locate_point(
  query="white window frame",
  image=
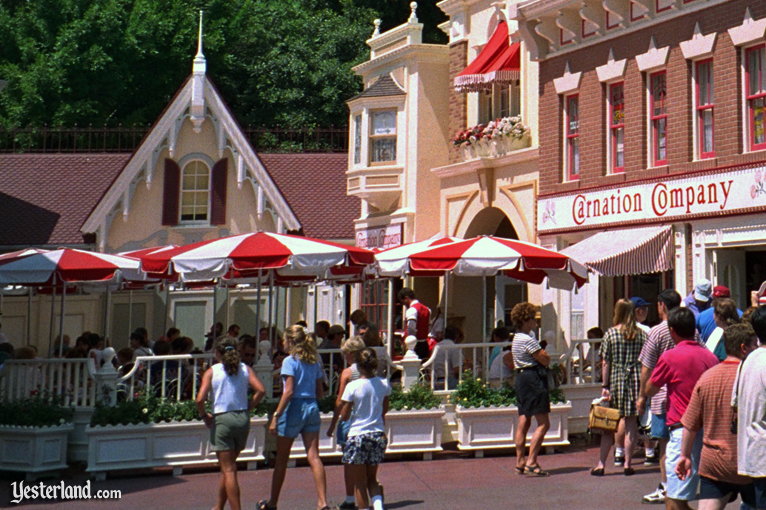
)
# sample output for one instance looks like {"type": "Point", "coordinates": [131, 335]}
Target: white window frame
{"type": "Point", "coordinates": [608, 125]}
{"type": "Point", "coordinates": [184, 164]}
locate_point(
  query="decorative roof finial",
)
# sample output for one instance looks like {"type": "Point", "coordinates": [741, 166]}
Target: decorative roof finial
{"type": "Point", "coordinates": [377, 23]}
{"type": "Point", "coordinates": [199, 39]}
{"type": "Point", "coordinates": [413, 15]}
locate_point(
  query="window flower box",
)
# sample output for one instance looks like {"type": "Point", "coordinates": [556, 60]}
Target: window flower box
{"type": "Point", "coordinates": [494, 139]}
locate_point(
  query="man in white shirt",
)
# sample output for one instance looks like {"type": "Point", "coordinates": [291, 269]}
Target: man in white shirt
{"type": "Point", "coordinates": [749, 395]}
{"type": "Point", "coordinates": [445, 360]}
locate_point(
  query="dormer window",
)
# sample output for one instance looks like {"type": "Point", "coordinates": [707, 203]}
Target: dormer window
{"type": "Point", "coordinates": [383, 137]}
{"type": "Point", "coordinates": [195, 192]}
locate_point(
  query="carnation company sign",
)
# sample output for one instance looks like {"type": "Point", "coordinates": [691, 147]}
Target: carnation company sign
{"type": "Point", "coordinates": [380, 237]}
{"type": "Point", "coordinates": [720, 193]}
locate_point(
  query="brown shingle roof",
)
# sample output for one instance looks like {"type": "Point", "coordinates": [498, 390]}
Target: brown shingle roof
{"type": "Point", "coordinates": [315, 187]}
{"type": "Point", "coordinates": [384, 86]}
{"type": "Point", "coordinates": [45, 198]}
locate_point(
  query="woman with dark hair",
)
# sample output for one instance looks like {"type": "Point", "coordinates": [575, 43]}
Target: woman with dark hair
{"type": "Point", "coordinates": [530, 361]}
{"type": "Point", "coordinates": [365, 403]}
{"type": "Point", "coordinates": [620, 373]}
{"type": "Point", "coordinates": [724, 314]}
{"type": "Point", "coordinates": [229, 423]}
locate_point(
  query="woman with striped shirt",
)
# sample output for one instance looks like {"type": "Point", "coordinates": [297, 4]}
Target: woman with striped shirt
{"type": "Point", "coordinates": [530, 361]}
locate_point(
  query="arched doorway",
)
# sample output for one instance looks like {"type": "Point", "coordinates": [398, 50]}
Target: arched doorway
{"type": "Point", "coordinates": [466, 301]}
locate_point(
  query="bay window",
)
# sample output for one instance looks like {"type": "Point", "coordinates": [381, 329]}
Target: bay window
{"type": "Point", "coordinates": [382, 137]}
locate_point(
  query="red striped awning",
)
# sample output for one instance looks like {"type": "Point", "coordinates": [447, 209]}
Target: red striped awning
{"type": "Point", "coordinates": [626, 252]}
{"type": "Point", "coordinates": [498, 62]}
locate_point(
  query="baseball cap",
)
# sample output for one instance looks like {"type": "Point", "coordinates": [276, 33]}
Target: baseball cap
{"type": "Point", "coordinates": [702, 290]}
{"type": "Point", "coordinates": [639, 302]}
{"type": "Point", "coordinates": [721, 291]}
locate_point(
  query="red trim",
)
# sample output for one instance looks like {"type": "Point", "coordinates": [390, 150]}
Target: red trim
{"type": "Point", "coordinates": [609, 24]}
{"type": "Point", "coordinates": [634, 17]}
{"type": "Point", "coordinates": [584, 33]}
{"type": "Point", "coordinates": [751, 98]}
{"type": "Point", "coordinates": [704, 105]}
{"type": "Point", "coordinates": [657, 6]}
{"type": "Point", "coordinates": [572, 130]}
{"type": "Point", "coordinates": [659, 120]}
{"type": "Point", "coordinates": [561, 38]}
{"type": "Point", "coordinates": [616, 125]}
{"type": "Point", "coordinates": [218, 192]}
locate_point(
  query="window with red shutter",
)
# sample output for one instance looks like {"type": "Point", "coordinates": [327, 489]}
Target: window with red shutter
{"type": "Point", "coordinates": [170, 193]}
{"type": "Point", "coordinates": [218, 195]}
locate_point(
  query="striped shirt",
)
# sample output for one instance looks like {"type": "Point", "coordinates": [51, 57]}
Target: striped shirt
{"type": "Point", "coordinates": [522, 347]}
{"type": "Point", "coordinates": [658, 342]}
{"type": "Point", "coordinates": [710, 411]}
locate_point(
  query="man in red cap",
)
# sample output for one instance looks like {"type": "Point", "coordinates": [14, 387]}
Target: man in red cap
{"type": "Point", "coordinates": [705, 320]}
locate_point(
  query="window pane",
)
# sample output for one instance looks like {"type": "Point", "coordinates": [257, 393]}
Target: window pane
{"type": "Point", "coordinates": [504, 101]}
{"type": "Point", "coordinates": [619, 148]}
{"type": "Point", "coordinates": [515, 99]}
{"type": "Point", "coordinates": [384, 149]}
{"type": "Point", "coordinates": [202, 182]}
{"type": "Point", "coordinates": [706, 122]}
{"type": "Point", "coordinates": [485, 106]}
{"type": "Point", "coordinates": [574, 144]}
{"type": "Point", "coordinates": [357, 139]}
{"type": "Point", "coordinates": [384, 123]}
{"type": "Point", "coordinates": [572, 116]}
{"type": "Point", "coordinates": [617, 99]}
{"type": "Point", "coordinates": [661, 142]}
{"type": "Point", "coordinates": [189, 181]}
{"type": "Point", "coordinates": [759, 120]}
{"type": "Point", "coordinates": [658, 94]}
{"type": "Point", "coordinates": [755, 66]}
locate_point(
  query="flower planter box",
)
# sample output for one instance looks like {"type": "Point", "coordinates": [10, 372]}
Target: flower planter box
{"type": "Point", "coordinates": [418, 431]}
{"type": "Point", "coordinates": [162, 444]}
{"type": "Point", "coordinates": [33, 450]}
{"type": "Point", "coordinates": [494, 427]}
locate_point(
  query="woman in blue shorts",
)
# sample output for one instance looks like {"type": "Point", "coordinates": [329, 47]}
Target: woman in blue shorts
{"type": "Point", "coordinates": [298, 413]}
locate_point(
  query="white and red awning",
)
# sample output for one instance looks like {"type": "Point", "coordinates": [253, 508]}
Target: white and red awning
{"type": "Point", "coordinates": [627, 252]}
{"type": "Point", "coordinates": [487, 256]}
{"type": "Point", "coordinates": [498, 62]}
{"type": "Point", "coordinates": [247, 254]}
{"type": "Point", "coordinates": [41, 267]}
{"type": "Point", "coordinates": [396, 261]}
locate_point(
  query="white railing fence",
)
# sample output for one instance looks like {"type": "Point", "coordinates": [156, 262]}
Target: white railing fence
{"type": "Point", "coordinates": [71, 380]}
{"type": "Point", "coordinates": [582, 362]}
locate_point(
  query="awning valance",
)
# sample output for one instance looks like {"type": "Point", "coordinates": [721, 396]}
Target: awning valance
{"type": "Point", "coordinates": [626, 252]}
{"type": "Point", "coordinates": [498, 62]}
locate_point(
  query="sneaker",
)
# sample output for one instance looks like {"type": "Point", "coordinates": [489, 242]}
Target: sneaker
{"type": "Point", "coordinates": [652, 460]}
{"type": "Point", "coordinates": [347, 506]}
{"type": "Point", "coordinates": [619, 461]}
{"type": "Point", "coordinates": [655, 498]}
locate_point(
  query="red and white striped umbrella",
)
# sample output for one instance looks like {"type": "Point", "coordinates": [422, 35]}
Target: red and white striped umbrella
{"type": "Point", "coordinates": [137, 254]}
{"type": "Point", "coordinates": [396, 261]}
{"type": "Point", "coordinates": [248, 254]}
{"type": "Point", "coordinates": [40, 267]}
{"type": "Point", "coordinates": [487, 255]}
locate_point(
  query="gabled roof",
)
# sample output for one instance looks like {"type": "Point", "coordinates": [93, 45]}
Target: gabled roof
{"type": "Point", "coordinates": [315, 187]}
{"type": "Point", "coordinates": [164, 135]}
{"type": "Point", "coordinates": [383, 86]}
{"type": "Point", "coordinates": [45, 198]}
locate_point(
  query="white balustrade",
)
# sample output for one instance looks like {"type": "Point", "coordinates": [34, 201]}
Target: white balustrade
{"type": "Point", "coordinates": [68, 379]}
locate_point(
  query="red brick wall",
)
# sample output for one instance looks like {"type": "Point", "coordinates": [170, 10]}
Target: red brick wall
{"type": "Point", "coordinates": [458, 114]}
{"type": "Point", "coordinates": [592, 99]}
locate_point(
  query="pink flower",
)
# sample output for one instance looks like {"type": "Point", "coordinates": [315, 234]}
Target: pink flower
{"type": "Point", "coordinates": [758, 176]}
{"type": "Point", "coordinates": [753, 191]}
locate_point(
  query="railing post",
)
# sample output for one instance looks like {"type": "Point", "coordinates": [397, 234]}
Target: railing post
{"type": "Point", "coordinates": [264, 368]}
{"type": "Point", "coordinates": [106, 379]}
{"type": "Point", "coordinates": [410, 364]}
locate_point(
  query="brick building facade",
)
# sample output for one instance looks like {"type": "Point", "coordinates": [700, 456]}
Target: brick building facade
{"type": "Point", "coordinates": [657, 105]}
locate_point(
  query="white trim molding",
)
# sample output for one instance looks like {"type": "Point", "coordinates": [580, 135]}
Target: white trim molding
{"type": "Point", "coordinates": [613, 70]}
{"type": "Point", "coordinates": [654, 59]}
{"type": "Point", "coordinates": [567, 83]}
{"type": "Point", "coordinates": [750, 31]}
{"type": "Point", "coordinates": [700, 46]}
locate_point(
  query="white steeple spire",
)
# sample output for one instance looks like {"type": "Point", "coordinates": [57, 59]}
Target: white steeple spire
{"type": "Point", "coordinates": [197, 109]}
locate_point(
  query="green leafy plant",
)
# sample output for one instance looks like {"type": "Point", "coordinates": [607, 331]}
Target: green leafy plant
{"type": "Point", "coordinates": [473, 392]}
{"type": "Point", "coordinates": [39, 410]}
{"type": "Point", "coordinates": [152, 409]}
{"type": "Point", "coordinates": [420, 396]}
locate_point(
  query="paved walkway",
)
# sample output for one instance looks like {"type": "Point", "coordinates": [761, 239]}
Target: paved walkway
{"type": "Point", "coordinates": [453, 481]}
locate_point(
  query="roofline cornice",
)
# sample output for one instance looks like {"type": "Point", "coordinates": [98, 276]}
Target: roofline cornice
{"type": "Point", "coordinates": [410, 51]}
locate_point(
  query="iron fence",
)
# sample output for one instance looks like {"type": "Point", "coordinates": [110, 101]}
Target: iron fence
{"type": "Point", "coordinates": [47, 139]}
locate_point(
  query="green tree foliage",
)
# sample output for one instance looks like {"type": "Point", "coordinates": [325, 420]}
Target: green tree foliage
{"type": "Point", "coordinates": [277, 62]}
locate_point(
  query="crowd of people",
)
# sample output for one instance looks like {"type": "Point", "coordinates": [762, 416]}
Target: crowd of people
{"type": "Point", "coordinates": [696, 383]}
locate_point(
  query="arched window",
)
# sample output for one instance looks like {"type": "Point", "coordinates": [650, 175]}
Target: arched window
{"type": "Point", "coordinates": [195, 192]}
